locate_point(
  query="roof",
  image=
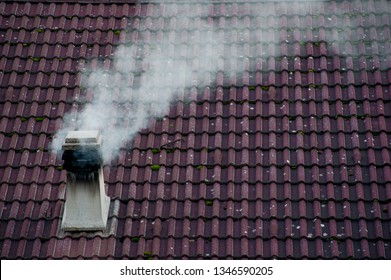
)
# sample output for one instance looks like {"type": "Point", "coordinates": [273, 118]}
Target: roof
{"type": "Point", "coordinates": [284, 151]}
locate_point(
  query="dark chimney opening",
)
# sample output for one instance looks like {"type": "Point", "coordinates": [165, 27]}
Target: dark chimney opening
{"type": "Point", "coordinates": [82, 160]}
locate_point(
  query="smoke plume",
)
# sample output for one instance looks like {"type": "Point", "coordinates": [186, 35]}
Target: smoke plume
{"type": "Point", "coordinates": [192, 45]}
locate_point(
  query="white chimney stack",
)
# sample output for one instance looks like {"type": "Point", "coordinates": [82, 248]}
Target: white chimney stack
{"type": "Point", "coordinates": [86, 204]}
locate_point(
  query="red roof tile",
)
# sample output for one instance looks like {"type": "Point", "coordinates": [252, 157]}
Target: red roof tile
{"type": "Point", "coordinates": [289, 158]}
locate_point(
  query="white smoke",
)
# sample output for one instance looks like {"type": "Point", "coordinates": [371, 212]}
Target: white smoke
{"type": "Point", "coordinates": [146, 75]}
{"type": "Point", "coordinates": [193, 45]}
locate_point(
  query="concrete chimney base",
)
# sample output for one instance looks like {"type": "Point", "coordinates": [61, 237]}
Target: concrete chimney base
{"type": "Point", "coordinates": [86, 205]}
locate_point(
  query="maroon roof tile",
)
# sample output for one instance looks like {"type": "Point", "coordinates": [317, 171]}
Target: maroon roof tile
{"type": "Point", "coordinates": [287, 158]}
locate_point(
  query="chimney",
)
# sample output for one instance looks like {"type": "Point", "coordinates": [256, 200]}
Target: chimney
{"type": "Point", "coordinates": [86, 204]}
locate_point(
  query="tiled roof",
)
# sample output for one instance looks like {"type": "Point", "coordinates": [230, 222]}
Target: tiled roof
{"type": "Point", "coordinates": [290, 159]}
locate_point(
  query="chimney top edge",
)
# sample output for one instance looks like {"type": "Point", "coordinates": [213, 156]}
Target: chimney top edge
{"type": "Point", "coordinates": [82, 139]}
